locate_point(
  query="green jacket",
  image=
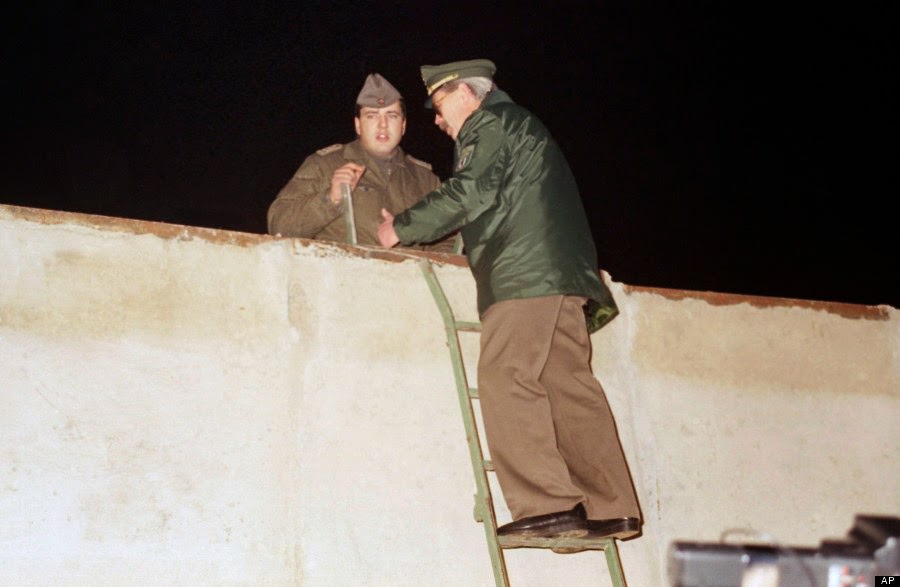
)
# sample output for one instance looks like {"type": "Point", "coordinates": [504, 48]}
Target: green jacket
{"type": "Point", "coordinates": [515, 200]}
{"type": "Point", "coordinates": [303, 207]}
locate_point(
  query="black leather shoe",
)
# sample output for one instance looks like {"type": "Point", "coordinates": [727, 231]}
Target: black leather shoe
{"type": "Point", "coordinates": [616, 528]}
{"type": "Point", "coordinates": [556, 525]}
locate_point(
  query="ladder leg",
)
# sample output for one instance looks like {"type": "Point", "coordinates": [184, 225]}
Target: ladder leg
{"type": "Point", "coordinates": [498, 562]}
{"type": "Point", "coordinates": [614, 565]}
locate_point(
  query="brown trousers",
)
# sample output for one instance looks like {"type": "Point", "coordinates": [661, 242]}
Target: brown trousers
{"type": "Point", "coordinates": [549, 429]}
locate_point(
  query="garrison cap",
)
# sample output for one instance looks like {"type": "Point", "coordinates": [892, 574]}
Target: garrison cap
{"type": "Point", "coordinates": [377, 92]}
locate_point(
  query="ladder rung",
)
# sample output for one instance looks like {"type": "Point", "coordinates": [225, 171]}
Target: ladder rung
{"type": "Point", "coordinates": [488, 465]}
{"type": "Point", "coordinates": [467, 326]}
{"type": "Point", "coordinates": [535, 542]}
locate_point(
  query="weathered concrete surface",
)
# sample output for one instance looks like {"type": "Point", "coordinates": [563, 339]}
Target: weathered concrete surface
{"type": "Point", "coordinates": [191, 406]}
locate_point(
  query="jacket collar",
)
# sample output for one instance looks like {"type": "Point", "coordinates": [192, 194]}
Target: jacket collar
{"type": "Point", "coordinates": [496, 97]}
{"type": "Point", "coordinates": [355, 152]}
{"type": "Point", "coordinates": [492, 99]}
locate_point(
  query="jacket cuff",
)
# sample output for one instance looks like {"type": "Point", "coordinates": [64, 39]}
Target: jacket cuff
{"type": "Point", "coordinates": [326, 200]}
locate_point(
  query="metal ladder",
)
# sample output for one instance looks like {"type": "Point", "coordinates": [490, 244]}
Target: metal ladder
{"type": "Point", "coordinates": [484, 505]}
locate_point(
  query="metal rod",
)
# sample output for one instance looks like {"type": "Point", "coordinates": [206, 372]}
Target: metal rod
{"type": "Point", "coordinates": [349, 218]}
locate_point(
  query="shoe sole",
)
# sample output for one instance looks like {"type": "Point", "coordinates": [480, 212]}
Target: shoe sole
{"type": "Point", "coordinates": [621, 535]}
{"type": "Point", "coordinates": [572, 532]}
{"type": "Point", "coordinates": [576, 533]}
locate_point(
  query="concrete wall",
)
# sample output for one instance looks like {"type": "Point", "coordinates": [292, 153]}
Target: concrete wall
{"type": "Point", "coordinates": [186, 406]}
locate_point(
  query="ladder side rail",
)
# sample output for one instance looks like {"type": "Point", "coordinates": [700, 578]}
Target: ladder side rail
{"type": "Point", "coordinates": [484, 506]}
{"type": "Point", "coordinates": [613, 564]}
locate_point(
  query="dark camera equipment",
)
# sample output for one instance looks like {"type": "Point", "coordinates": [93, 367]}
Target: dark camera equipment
{"type": "Point", "coordinates": [870, 551]}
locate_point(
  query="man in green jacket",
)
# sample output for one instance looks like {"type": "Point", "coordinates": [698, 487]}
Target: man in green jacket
{"type": "Point", "coordinates": [550, 431]}
{"type": "Point", "coordinates": [379, 173]}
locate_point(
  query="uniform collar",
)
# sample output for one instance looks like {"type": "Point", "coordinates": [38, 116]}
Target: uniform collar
{"type": "Point", "coordinates": [355, 152]}
{"type": "Point", "coordinates": [496, 97]}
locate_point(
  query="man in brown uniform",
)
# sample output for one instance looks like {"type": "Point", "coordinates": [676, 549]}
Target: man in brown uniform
{"type": "Point", "coordinates": [380, 174]}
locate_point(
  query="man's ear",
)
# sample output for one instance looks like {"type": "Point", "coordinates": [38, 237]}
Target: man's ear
{"type": "Point", "coordinates": [356, 124]}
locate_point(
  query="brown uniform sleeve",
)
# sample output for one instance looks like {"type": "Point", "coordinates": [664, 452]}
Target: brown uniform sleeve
{"type": "Point", "coordinates": [303, 207]}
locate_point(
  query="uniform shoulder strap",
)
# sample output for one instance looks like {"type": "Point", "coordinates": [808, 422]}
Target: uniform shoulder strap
{"type": "Point", "coordinates": [419, 162]}
{"type": "Point", "coordinates": [328, 150]}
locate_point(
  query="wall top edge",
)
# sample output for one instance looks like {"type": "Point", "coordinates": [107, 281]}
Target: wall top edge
{"type": "Point", "coordinates": [244, 239]}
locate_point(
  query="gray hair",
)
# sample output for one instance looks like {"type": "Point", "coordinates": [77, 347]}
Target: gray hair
{"type": "Point", "coordinates": [480, 86]}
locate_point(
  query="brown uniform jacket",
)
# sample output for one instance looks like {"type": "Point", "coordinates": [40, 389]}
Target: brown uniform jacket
{"type": "Point", "coordinates": [304, 209]}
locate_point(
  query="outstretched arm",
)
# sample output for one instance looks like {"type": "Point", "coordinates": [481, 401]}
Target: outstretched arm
{"type": "Point", "coordinates": [387, 236]}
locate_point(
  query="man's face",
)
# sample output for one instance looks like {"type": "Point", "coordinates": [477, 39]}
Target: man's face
{"type": "Point", "coordinates": [452, 108]}
{"type": "Point", "coordinates": [380, 129]}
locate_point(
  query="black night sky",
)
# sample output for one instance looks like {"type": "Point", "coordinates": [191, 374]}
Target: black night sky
{"type": "Point", "coordinates": [718, 146]}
